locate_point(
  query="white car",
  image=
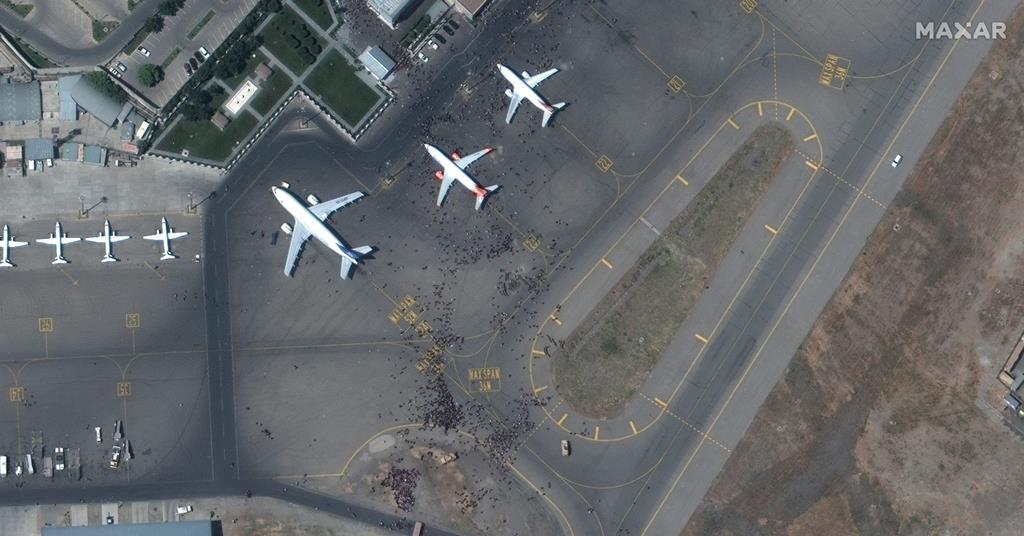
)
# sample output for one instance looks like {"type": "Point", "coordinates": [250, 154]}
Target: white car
{"type": "Point", "coordinates": [205, 53]}
{"type": "Point", "coordinates": [58, 454]}
{"type": "Point", "coordinates": [144, 51]}
{"type": "Point", "coordinates": [566, 450]}
{"type": "Point", "coordinates": [432, 44]}
{"type": "Point", "coordinates": [896, 160]}
{"type": "Point", "coordinates": [121, 67]}
{"type": "Point", "coordinates": [423, 57]}
{"type": "Point", "coordinates": [184, 509]}
{"type": "Point", "coordinates": [99, 434]}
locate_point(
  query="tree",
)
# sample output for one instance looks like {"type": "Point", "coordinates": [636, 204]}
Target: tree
{"type": "Point", "coordinates": [273, 6]}
{"type": "Point", "coordinates": [150, 75]}
{"type": "Point", "coordinates": [153, 24]}
{"type": "Point", "coordinates": [200, 106]}
{"type": "Point", "coordinates": [100, 81]}
{"type": "Point", "coordinates": [170, 7]}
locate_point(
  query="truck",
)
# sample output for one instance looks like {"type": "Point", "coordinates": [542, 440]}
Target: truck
{"type": "Point", "coordinates": [117, 432]}
{"type": "Point", "coordinates": [58, 455]}
{"type": "Point", "coordinates": [417, 529]}
{"type": "Point", "coordinates": [115, 457]}
{"type": "Point", "coordinates": [3, 465]}
{"type": "Point", "coordinates": [29, 467]}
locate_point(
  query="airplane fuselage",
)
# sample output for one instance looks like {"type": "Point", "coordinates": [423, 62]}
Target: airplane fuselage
{"type": "Point", "coordinates": [317, 228]}
{"type": "Point", "coordinates": [451, 169]}
{"type": "Point", "coordinates": [521, 87]}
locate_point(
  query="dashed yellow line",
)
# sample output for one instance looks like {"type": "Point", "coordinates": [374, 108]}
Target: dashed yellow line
{"type": "Point", "coordinates": [560, 421]}
{"type": "Point", "coordinates": [701, 338]}
{"type": "Point", "coordinates": [682, 180]}
{"type": "Point", "coordinates": [851, 185]}
{"type": "Point", "coordinates": [606, 263]}
{"type": "Point", "coordinates": [811, 165]}
{"type": "Point", "coordinates": [660, 402]}
{"type": "Point", "coordinates": [633, 427]}
{"type": "Point", "coordinates": [556, 320]}
{"type": "Point", "coordinates": [790, 114]}
{"type": "Point", "coordinates": [760, 111]}
{"type": "Point", "coordinates": [811, 137]}
{"type": "Point", "coordinates": [597, 433]}
{"type": "Point", "coordinates": [700, 432]}
{"type": "Point", "coordinates": [771, 229]}
{"type": "Point", "coordinates": [733, 124]}
{"type": "Point", "coordinates": [539, 352]}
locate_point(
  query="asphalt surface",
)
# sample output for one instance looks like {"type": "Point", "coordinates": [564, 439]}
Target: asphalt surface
{"type": "Point", "coordinates": [74, 56]}
{"type": "Point", "coordinates": [757, 310]}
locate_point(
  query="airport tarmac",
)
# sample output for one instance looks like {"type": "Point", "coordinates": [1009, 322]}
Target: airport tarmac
{"type": "Point", "coordinates": [471, 293]}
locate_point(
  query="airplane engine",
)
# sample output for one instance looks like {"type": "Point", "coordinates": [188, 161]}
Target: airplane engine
{"type": "Point", "coordinates": [287, 228]}
{"type": "Point", "coordinates": [285, 185]}
{"type": "Point", "coordinates": [456, 156]}
{"type": "Point", "coordinates": [439, 175]}
{"type": "Point", "coordinates": [313, 200]}
{"type": "Point", "coordinates": [508, 93]}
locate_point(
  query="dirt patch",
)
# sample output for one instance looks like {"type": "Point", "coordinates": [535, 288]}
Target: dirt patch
{"type": "Point", "coordinates": [606, 359]}
{"type": "Point", "coordinates": [885, 421]}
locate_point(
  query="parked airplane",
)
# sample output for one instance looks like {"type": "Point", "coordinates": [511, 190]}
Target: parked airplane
{"type": "Point", "coordinates": [107, 238]}
{"type": "Point", "coordinates": [57, 239]}
{"type": "Point", "coordinates": [9, 243]}
{"type": "Point", "coordinates": [454, 169]}
{"type": "Point", "coordinates": [523, 88]}
{"type": "Point", "coordinates": [166, 234]}
{"type": "Point", "coordinates": [309, 221]}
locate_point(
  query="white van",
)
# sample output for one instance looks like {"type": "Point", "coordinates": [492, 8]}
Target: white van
{"type": "Point", "coordinates": [31, 165]}
{"type": "Point", "coordinates": [3, 465]}
{"type": "Point", "coordinates": [99, 434]}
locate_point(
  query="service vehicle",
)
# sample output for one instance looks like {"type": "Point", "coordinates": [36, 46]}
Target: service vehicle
{"type": "Point", "coordinates": [145, 52]}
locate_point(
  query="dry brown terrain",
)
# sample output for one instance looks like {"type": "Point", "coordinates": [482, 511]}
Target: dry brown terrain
{"type": "Point", "coordinates": [888, 419]}
{"type": "Point", "coordinates": [605, 360]}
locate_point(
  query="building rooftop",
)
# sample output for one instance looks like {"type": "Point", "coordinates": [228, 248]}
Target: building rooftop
{"type": "Point", "coordinates": [94, 102]}
{"type": "Point", "coordinates": [71, 151]}
{"type": "Point", "coordinates": [68, 108]}
{"type": "Point", "coordinates": [390, 11]}
{"type": "Point", "coordinates": [21, 101]}
{"type": "Point", "coordinates": [39, 148]}
{"type": "Point", "coordinates": [377, 62]}
{"type": "Point", "coordinates": [471, 7]}
{"type": "Point", "coordinates": [94, 154]}
{"type": "Point", "coordinates": [263, 71]}
{"type": "Point", "coordinates": [183, 528]}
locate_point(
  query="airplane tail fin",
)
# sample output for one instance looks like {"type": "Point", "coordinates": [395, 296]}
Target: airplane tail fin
{"type": "Point", "coordinates": [481, 197]}
{"type": "Point", "coordinates": [346, 267]}
{"type": "Point", "coordinates": [59, 260]}
{"type": "Point", "coordinates": [347, 263]}
{"type": "Point", "coordinates": [6, 264]}
{"type": "Point", "coordinates": [363, 250]}
{"type": "Point", "coordinates": [168, 256]}
{"type": "Point", "coordinates": [548, 115]}
{"type": "Point", "coordinates": [109, 258]}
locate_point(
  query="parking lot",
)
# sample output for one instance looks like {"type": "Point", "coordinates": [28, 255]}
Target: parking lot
{"type": "Point", "coordinates": [173, 47]}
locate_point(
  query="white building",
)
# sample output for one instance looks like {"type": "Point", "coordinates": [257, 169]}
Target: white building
{"type": "Point", "coordinates": [392, 11]}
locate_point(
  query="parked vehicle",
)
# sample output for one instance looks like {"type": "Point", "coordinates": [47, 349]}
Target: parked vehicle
{"type": "Point", "coordinates": [99, 434]}
{"type": "Point", "coordinates": [115, 457]}
{"type": "Point", "coordinates": [453, 24]}
{"type": "Point", "coordinates": [184, 509]}
{"type": "Point", "coordinates": [204, 52]}
{"type": "Point", "coordinates": [448, 30]}
{"type": "Point", "coordinates": [121, 67]}
{"type": "Point", "coordinates": [199, 57]}
{"type": "Point", "coordinates": [188, 69]}
{"type": "Point", "coordinates": [432, 44]}
{"type": "Point", "coordinates": [58, 455]}
{"type": "Point", "coordinates": [423, 57]}
{"type": "Point", "coordinates": [144, 51]}
{"type": "Point", "coordinates": [440, 38]}
{"type": "Point", "coordinates": [566, 449]}
{"type": "Point", "coordinates": [3, 465]}
{"type": "Point", "coordinates": [194, 64]}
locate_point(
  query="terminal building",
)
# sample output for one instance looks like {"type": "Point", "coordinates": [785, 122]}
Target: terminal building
{"type": "Point", "coordinates": [377, 62]}
{"type": "Point", "coordinates": [182, 528]}
{"type": "Point", "coordinates": [392, 11]}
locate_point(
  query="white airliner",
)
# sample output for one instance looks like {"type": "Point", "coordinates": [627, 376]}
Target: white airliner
{"type": "Point", "coordinates": [309, 221]}
{"type": "Point", "coordinates": [57, 239]}
{"type": "Point", "coordinates": [523, 88]}
{"type": "Point", "coordinates": [107, 238]}
{"type": "Point", "coordinates": [454, 169]}
{"type": "Point", "coordinates": [9, 243]}
{"type": "Point", "coordinates": [166, 233]}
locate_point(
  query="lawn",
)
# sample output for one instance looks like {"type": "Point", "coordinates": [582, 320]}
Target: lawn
{"type": "Point", "coordinates": [250, 67]}
{"type": "Point", "coordinates": [101, 29]}
{"type": "Point", "coordinates": [292, 41]}
{"type": "Point", "coordinates": [133, 45]}
{"type": "Point", "coordinates": [170, 57]}
{"type": "Point", "coordinates": [606, 360]}
{"type": "Point", "coordinates": [34, 57]}
{"type": "Point", "coordinates": [204, 140]}
{"type": "Point", "coordinates": [335, 82]}
{"type": "Point", "coordinates": [271, 91]}
{"type": "Point", "coordinates": [318, 10]}
{"type": "Point", "coordinates": [21, 9]}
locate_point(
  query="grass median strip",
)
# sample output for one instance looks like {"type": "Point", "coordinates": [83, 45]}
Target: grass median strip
{"type": "Point", "coordinates": [199, 27]}
{"type": "Point", "coordinates": [608, 357]}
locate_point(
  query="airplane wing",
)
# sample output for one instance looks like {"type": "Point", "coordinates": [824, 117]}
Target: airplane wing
{"type": "Point", "coordinates": [535, 80]}
{"type": "Point", "coordinates": [465, 161]}
{"type": "Point", "coordinates": [446, 184]}
{"type": "Point", "coordinates": [63, 240]}
{"type": "Point", "coordinates": [299, 236]}
{"type": "Point", "coordinates": [514, 105]}
{"type": "Point", "coordinates": [118, 238]}
{"type": "Point", "coordinates": [324, 210]}
{"type": "Point", "coordinates": [160, 235]}
{"type": "Point", "coordinates": [15, 244]}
